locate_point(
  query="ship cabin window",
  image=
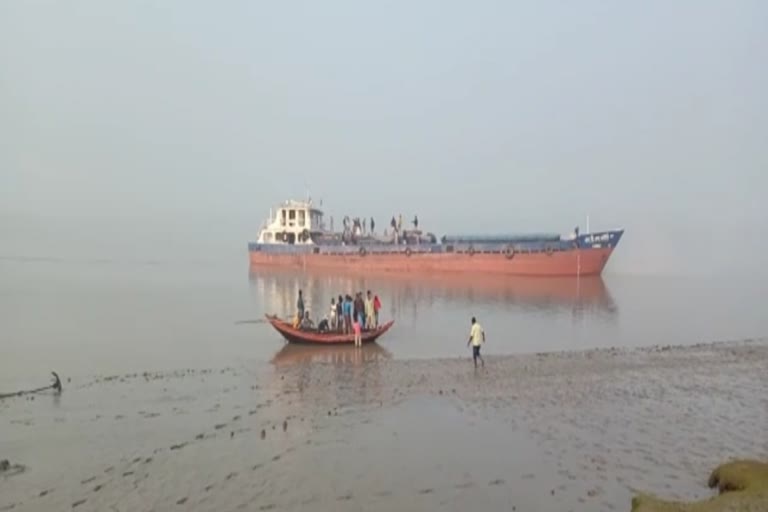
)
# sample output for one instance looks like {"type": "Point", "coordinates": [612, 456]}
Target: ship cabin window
{"type": "Point", "coordinates": [268, 237]}
{"type": "Point", "coordinates": [302, 218]}
{"type": "Point", "coordinates": [282, 217]}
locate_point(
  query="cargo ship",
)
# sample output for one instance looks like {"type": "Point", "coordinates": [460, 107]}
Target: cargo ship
{"type": "Point", "coordinates": [295, 235]}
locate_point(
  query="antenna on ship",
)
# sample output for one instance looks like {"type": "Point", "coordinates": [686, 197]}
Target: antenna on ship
{"type": "Point", "coordinates": [588, 224]}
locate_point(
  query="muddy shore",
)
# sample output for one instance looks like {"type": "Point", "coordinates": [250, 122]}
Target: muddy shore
{"type": "Point", "coordinates": [347, 429]}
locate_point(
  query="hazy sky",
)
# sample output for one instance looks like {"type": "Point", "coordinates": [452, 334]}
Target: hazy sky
{"type": "Point", "coordinates": [170, 127]}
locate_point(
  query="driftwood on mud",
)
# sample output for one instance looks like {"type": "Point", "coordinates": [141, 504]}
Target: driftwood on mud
{"type": "Point", "coordinates": [55, 385]}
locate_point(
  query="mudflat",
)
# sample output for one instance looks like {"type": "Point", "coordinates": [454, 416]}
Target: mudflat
{"type": "Point", "coordinates": [352, 429]}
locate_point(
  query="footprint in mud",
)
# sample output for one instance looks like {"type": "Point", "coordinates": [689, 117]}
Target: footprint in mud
{"type": "Point", "coordinates": [78, 503]}
{"type": "Point", "coordinates": [384, 494]}
{"type": "Point", "coordinates": [178, 446]}
{"type": "Point", "coordinates": [88, 480]}
{"type": "Point", "coordinates": [128, 473]}
{"type": "Point", "coordinates": [426, 491]}
{"type": "Point", "coordinates": [267, 507]}
{"type": "Point", "coordinates": [137, 459]}
{"type": "Point", "coordinates": [498, 481]}
{"type": "Point", "coordinates": [231, 476]}
{"type": "Point", "coordinates": [147, 460]}
{"type": "Point", "coordinates": [98, 488]}
{"type": "Point", "coordinates": [257, 466]}
{"type": "Point", "coordinates": [528, 476]}
{"type": "Point", "coordinates": [208, 487]}
{"type": "Point", "coordinates": [263, 433]}
{"type": "Point", "coordinates": [182, 501]}
{"type": "Point", "coordinates": [276, 458]}
{"type": "Point", "coordinates": [220, 426]}
{"type": "Point", "coordinates": [7, 507]}
{"type": "Point", "coordinates": [151, 415]}
{"type": "Point", "coordinates": [344, 497]}
{"type": "Point", "coordinates": [465, 485]}
{"type": "Point", "coordinates": [109, 469]}
{"type": "Point", "coordinates": [45, 492]}
{"type": "Point", "coordinates": [235, 418]}
{"type": "Point", "coordinates": [252, 412]}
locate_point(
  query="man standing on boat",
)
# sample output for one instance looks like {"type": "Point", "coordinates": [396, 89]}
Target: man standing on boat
{"type": "Point", "coordinates": [476, 338]}
{"type": "Point", "coordinates": [358, 309]}
{"type": "Point", "coordinates": [300, 306]}
{"type": "Point", "coordinates": [376, 308]}
{"type": "Point", "coordinates": [369, 324]}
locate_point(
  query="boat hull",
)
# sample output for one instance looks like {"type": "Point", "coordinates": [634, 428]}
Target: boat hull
{"type": "Point", "coordinates": [561, 263]}
{"type": "Point", "coordinates": [586, 255]}
{"type": "Point", "coordinates": [314, 338]}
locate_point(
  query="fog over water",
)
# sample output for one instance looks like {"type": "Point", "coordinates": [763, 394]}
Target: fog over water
{"type": "Point", "coordinates": [165, 132]}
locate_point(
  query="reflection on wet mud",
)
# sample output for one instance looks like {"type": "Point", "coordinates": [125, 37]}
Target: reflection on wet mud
{"type": "Point", "coordinates": [352, 372]}
{"type": "Point", "coordinates": [295, 354]}
{"type": "Point", "coordinates": [277, 290]}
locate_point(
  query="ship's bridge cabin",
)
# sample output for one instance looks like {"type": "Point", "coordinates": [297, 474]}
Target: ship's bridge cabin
{"type": "Point", "coordinates": [293, 222]}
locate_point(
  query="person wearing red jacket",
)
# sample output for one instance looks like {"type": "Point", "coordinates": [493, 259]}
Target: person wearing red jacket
{"type": "Point", "coordinates": [376, 308]}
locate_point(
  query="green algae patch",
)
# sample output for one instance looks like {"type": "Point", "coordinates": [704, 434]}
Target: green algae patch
{"type": "Point", "coordinates": [743, 487]}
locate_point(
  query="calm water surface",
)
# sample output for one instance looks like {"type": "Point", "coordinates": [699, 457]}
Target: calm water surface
{"type": "Point", "coordinates": [104, 317]}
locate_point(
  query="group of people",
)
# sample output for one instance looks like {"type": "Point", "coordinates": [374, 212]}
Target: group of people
{"type": "Point", "coordinates": [346, 315]}
{"type": "Point", "coordinates": [357, 227]}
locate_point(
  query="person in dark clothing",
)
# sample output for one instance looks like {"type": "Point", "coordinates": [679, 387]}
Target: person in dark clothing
{"type": "Point", "coordinates": [415, 222]}
{"type": "Point", "coordinates": [373, 225]}
{"type": "Point", "coordinates": [300, 306]}
{"type": "Point", "coordinates": [359, 308]}
{"type": "Point", "coordinates": [340, 313]}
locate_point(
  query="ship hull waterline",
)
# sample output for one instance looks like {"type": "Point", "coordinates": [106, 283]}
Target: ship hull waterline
{"type": "Point", "coordinates": [576, 262]}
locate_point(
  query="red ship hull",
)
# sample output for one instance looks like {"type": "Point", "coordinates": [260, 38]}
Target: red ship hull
{"type": "Point", "coordinates": [576, 262]}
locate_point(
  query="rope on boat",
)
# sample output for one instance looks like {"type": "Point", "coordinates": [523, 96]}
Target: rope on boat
{"type": "Point", "coordinates": [55, 385]}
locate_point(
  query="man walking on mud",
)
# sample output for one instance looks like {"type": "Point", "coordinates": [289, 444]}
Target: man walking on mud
{"type": "Point", "coordinates": [476, 338]}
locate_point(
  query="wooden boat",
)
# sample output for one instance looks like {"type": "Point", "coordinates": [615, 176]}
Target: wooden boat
{"type": "Point", "coordinates": [329, 338]}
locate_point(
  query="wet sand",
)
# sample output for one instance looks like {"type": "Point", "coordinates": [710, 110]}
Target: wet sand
{"type": "Point", "coordinates": [340, 429]}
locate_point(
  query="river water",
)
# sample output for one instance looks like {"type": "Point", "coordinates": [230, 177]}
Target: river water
{"type": "Point", "coordinates": [84, 318]}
